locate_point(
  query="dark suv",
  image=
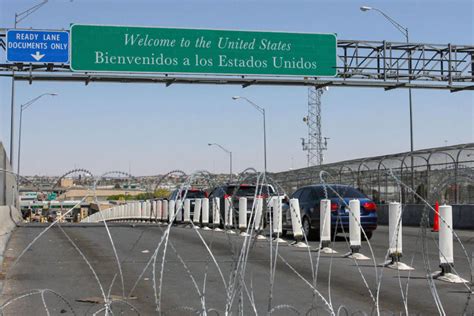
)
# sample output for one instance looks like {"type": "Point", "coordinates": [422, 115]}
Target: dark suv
{"type": "Point", "coordinates": [236, 192]}
{"type": "Point", "coordinates": [192, 194]}
{"type": "Point", "coordinates": [309, 199]}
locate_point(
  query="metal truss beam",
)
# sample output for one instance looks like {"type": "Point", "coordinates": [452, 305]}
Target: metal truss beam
{"type": "Point", "coordinates": [379, 64]}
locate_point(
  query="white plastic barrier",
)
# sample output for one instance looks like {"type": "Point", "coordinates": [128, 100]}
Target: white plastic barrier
{"type": "Point", "coordinates": [258, 213]}
{"type": "Point", "coordinates": [446, 235]}
{"type": "Point", "coordinates": [165, 211]}
{"type": "Point", "coordinates": [171, 209]}
{"type": "Point", "coordinates": [277, 209]}
{"type": "Point", "coordinates": [179, 211]}
{"type": "Point", "coordinates": [243, 215]}
{"type": "Point", "coordinates": [197, 211]}
{"type": "Point", "coordinates": [141, 210]}
{"type": "Point", "coordinates": [205, 213]}
{"type": "Point", "coordinates": [354, 225]}
{"type": "Point", "coordinates": [325, 223]}
{"type": "Point", "coordinates": [296, 219]}
{"type": "Point", "coordinates": [228, 212]}
{"type": "Point", "coordinates": [395, 229]}
{"type": "Point", "coordinates": [154, 210]}
{"type": "Point", "coordinates": [216, 213]}
{"type": "Point", "coordinates": [187, 211]}
{"type": "Point", "coordinates": [159, 210]}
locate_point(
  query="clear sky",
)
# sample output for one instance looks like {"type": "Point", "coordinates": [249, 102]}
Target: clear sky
{"type": "Point", "coordinates": [155, 128]}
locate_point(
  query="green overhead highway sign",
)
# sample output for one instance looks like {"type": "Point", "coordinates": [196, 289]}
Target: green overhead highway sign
{"type": "Point", "coordinates": [176, 50]}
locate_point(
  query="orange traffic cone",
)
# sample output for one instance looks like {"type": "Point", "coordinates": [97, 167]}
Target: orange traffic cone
{"type": "Point", "coordinates": [436, 218]}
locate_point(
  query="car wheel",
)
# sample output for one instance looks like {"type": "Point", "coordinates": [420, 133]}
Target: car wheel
{"type": "Point", "coordinates": [308, 231]}
{"type": "Point", "coordinates": [368, 235]}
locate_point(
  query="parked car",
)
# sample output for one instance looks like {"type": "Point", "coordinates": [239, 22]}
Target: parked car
{"type": "Point", "coordinates": [192, 194]}
{"type": "Point", "coordinates": [237, 191]}
{"type": "Point", "coordinates": [309, 199]}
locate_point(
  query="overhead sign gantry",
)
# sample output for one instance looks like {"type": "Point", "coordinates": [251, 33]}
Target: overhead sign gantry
{"type": "Point", "coordinates": [108, 54]}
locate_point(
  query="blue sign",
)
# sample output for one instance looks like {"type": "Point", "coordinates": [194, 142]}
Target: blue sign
{"type": "Point", "coordinates": [31, 46]}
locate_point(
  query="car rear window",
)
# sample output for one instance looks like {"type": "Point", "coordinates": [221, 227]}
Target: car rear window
{"type": "Point", "coordinates": [249, 190]}
{"type": "Point", "coordinates": [345, 192]}
{"type": "Point", "coordinates": [192, 194]}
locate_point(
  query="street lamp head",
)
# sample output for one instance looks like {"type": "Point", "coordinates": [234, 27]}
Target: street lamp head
{"type": "Point", "coordinates": [53, 94]}
{"type": "Point", "coordinates": [235, 97]}
{"type": "Point", "coordinates": [365, 8]}
{"type": "Point", "coordinates": [209, 144]}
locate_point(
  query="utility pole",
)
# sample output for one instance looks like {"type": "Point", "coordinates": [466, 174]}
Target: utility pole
{"type": "Point", "coordinates": [314, 144]}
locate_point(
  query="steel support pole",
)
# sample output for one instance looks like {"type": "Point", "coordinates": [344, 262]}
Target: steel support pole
{"type": "Point", "coordinates": [264, 144]}
{"type": "Point", "coordinates": [19, 143]}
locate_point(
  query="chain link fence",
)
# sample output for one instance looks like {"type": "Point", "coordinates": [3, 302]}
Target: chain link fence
{"type": "Point", "coordinates": [444, 174]}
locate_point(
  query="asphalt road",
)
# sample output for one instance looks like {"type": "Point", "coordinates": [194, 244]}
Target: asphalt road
{"type": "Point", "coordinates": [53, 263]}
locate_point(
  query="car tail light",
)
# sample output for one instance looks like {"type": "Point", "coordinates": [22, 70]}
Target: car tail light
{"type": "Point", "coordinates": [262, 196]}
{"type": "Point", "coordinates": [370, 206]}
{"type": "Point", "coordinates": [334, 207]}
{"type": "Point", "coordinates": [227, 196]}
{"type": "Point", "coordinates": [206, 194]}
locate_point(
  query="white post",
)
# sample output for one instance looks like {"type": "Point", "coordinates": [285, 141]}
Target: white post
{"type": "Point", "coordinates": [154, 211]}
{"type": "Point", "coordinates": [243, 216]}
{"type": "Point", "coordinates": [228, 212]}
{"type": "Point", "coordinates": [205, 213]}
{"type": "Point", "coordinates": [296, 222]}
{"type": "Point", "coordinates": [259, 219]}
{"type": "Point", "coordinates": [395, 229]}
{"type": "Point", "coordinates": [216, 215]}
{"type": "Point", "coordinates": [325, 223]}
{"type": "Point", "coordinates": [354, 225]}
{"type": "Point", "coordinates": [446, 256]}
{"type": "Point", "coordinates": [277, 208]}
{"type": "Point", "coordinates": [165, 209]}
{"type": "Point", "coordinates": [446, 253]}
{"type": "Point", "coordinates": [159, 210]}
{"type": "Point", "coordinates": [179, 211]}
{"type": "Point", "coordinates": [171, 208]}
{"type": "Point", "coordinates": [197, 211]}
{"type": "Point", "coordinates": [187, 211]}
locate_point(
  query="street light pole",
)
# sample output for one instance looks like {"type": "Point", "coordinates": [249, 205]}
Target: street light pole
{"type": "Point", "coordinates": [24, 107]}
{"type": "Point", "coordinates": [262, 111]}
{"type": "Point", "coordinates": [18, 18]}
{"type": "Point", "coordinates": [404, 31]}
{"type": "Point", "coordinates": [230, 158]}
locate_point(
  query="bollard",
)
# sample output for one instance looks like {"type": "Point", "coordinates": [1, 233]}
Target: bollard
{"type": "Point", "coordinates": [325, 226]}
{"type": "Point", "coordinates": [395, 237]}
{"type": "Point", "coordinates": [187, 212]}
{"type": "Point", "coordinates": [179, 211]}
{"type": "Point", "coordinates": [216, 214]}
{"type": "Point", "coordinates": [159, 210]}
{"type": "Point", "coordinates": [171, 208]}
{"type": "Point", "coordinates": [197, 212]}
{"type": "Point", "coordinates": [154, 213]}
{"type": "Point", "coordinates": [228, 215]}
{"type": "Point", "coordinates": [205, 213]}
{"type": "Point", "coordinates": [296, 223]}
{"type": "Point", "coordinates": [277, 209]}
{"type": "Point", "coordinates": [243, 216]}
{"type": "Point", "coordinates": [354, 231]}
{"type": "Point", "coordinates": [258, 218]}
{"type": "Point", "coordinates": [165, 209]}
{"type": "Point", "coordinates": [446, 253]}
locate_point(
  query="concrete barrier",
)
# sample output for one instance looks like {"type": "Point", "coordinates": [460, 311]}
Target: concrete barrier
{"type": "Point", "coordinates": [463, 215]}
{"type": "Point", "coordinates": [9, 218]}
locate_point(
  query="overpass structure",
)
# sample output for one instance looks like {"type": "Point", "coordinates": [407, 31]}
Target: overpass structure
{"type": "Point", "coordinates": [360, 63]}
